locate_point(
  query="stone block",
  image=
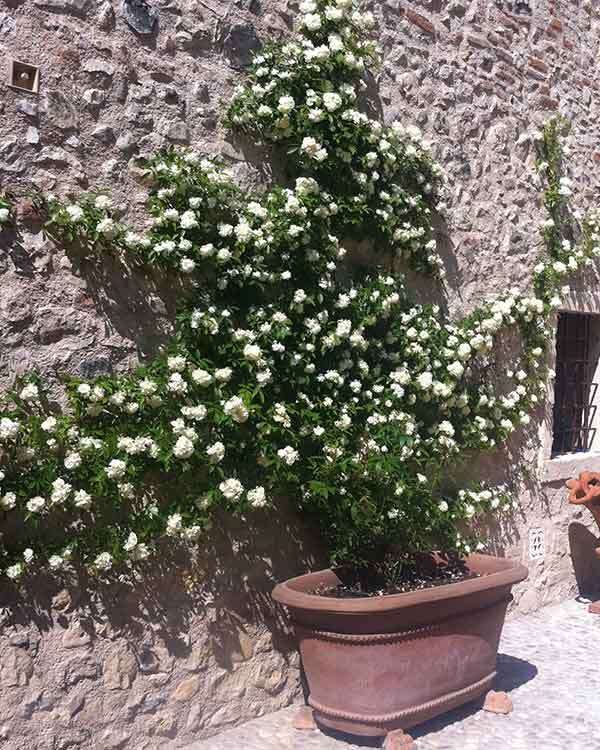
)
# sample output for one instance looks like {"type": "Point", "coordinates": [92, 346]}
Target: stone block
{"type": "Point", "coordinates": [186, 689]}
{"type": "Point", "coordinates": [120, 668]}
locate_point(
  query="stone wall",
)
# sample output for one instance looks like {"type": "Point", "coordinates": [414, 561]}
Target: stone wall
{"type": "Point", "coordinates": [200, 647]}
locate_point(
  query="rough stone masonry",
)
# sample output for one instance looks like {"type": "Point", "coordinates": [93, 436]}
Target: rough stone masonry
{"type": "Point", "coordinates": [188, 654]}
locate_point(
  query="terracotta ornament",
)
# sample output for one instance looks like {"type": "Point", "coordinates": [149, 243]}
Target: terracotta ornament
{"type": "Point", "coordinates": [397, 740]}
{"type": "Point", "coordinates": [304, 719]}
{"type": "Point", "coordinates": [498, 703]}
{"type": "Point", "coordinates": [586, 491]}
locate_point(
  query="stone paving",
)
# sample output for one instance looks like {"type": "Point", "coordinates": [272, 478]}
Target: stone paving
{"type": "Point", "coordinates": [549, 664]}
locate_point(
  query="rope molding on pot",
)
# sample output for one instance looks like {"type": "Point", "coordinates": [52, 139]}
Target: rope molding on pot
{"type": "Point", "coordinates": [476, 687]}
{"type": "Point", "coordinates": [363, 639]}
{"type": "Point", "coordinates": [367, 638]}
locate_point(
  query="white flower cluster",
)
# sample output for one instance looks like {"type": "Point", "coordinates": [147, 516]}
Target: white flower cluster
{"type": "Point", "coordinates": [289, 371]}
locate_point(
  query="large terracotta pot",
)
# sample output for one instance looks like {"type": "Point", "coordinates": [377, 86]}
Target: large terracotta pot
{"type": "Point", "coordinates": [378, 664]}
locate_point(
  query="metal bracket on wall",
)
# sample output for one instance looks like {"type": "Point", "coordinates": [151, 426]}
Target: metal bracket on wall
{"type": "Point", "coordinates": [23, 76]}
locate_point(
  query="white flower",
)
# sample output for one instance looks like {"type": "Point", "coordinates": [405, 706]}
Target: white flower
{"type": "Point", "coordinates": [188, 220]}
{"type": "Point", "coordinates": [463, 351]}
{"type": "Point", "coordinates": [232, 489]}
{"type": "Point", "coordinates": [176, 383]}
{"type": "Point", "coordinates": [286, 104]}
{"type": "Point", "coordinates": [167, 246]}
{"type": "Point", "coordinates": [183, 448]}
{"type": "Point", "coordinates": [257, 210]}
{"type": "Point", "coordinates": [75, 212]}
{"type": "Point", "coordinates": [106, 227]}
{"type": "Point", "coordinates": [126, 490]}
{"type": "Point", "coordinates": [202, 377]}
{"type": "Point", "coordinates": [313, 149]}
{"type": "Point", "coordinates": [425, 380]}
{"type": "Point", "coordinates": [72, 460]}
{"type": "Point", "coordinates": [104, 561]}
{"type": "Point", "coordinates": [312, 21]}
{"type": "Point", "coordinates": [14, 571]}
{"type": "Point", "coordinates": [147, 387]}
{"type": "Point", "coordinates": [4, 215]}
{"type": "Point", "coordinates": [257, 497]}
{"type": "Point", "coordinates": [215, 452]}
{"type": "Point", "coordinates": [35, 504]}
{"type": "Point", "coordinates": [82, 499]}
{"type": "Point", "coordinates": [288, 454]}
{"type": "Point", "coordinates": [197, 413]}
{"type": "Point", "coordinates": [332, 101]}
{"type": "Point", "coordinates": [455, 369]}
{"type": "Point", "coordinates": [96, 394]}
{"type": "Point", "coordinates": [84, 390]}
{"type": "Point", "coordinates": [174, 524]}
{"type": "Point", "coordinates": [236, 409]}
{"type": "Point", "coordinates": [116, 469]}
{"type": "Point", "coordinates": [60, 491]}
{"type": "Point", "coordinates": [131, 542]}
{"type": "Point", "coordinates": [187, 265]}
{"type": "Point", "coordinates": [49, 424]}
{"type": "Point", "coordinates": [223, 374]}
{"type": "Point", "coordinates": [102, 202]}
{"type": "Point", "coordinates": [176, 364]}
{"type": "Point", "coordinates": [8, 501]}
{"type": "Point", "coordinates": [446, 428]}
{"type": "Point", "coordinates": [192, 533]}
{"type": "Point", "coordinates": [56, 562]}
{"type": "Point", "coordinates": [28, 555]}
{"type": "Point", "coordinates": [117, 398]}
{"type": "Point", "coordinates": [243, 231]}
{"type": "Point", "coordinates": [30, 392]}
{"type": "Point", "coordinates": [9, 428]}
{"type": "Point", "coordinates": [252, 352]}
{"type": "Point", "coordinates": [334, 14]}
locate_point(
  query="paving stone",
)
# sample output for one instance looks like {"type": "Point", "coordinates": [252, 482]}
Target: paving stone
{"type": "Point", "coordinates": [554, 690]}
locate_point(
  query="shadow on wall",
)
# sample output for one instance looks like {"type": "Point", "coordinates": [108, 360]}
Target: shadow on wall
{"type": "Point", "coordinates": [134, 307]}
{"type": "Point", "coordinates": [216, 598]}
{"type": "Point", "coordinates": [586, 565]}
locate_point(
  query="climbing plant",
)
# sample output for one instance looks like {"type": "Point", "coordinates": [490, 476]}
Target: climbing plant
{"type": "Point", "coordinates": [294, 372]}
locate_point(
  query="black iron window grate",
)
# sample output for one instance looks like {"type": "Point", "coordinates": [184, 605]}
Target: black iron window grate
{"type": "Point", "coordinates": [575, 391]}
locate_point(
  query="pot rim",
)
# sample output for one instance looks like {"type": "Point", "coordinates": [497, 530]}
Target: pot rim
{"type": "Point", "coordinates": [495, 572]}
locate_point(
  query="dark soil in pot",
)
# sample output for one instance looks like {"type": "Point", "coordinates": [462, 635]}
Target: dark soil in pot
{"type": "Point", "coordinates": [399, 578]}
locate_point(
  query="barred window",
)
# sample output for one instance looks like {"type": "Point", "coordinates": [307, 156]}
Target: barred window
{"type": "Point", "coordinates": [575, 403]}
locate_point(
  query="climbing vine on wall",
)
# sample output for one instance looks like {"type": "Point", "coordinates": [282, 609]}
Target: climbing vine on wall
{"type": "Point", "coordinates": [293, 371]}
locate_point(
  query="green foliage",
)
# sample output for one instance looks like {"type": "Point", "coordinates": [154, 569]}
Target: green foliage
{"type": "Point", "coordinates": [294, 372]}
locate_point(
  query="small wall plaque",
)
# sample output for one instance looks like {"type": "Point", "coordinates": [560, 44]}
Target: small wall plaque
{"type": "Point", "coordinates": [537, 544]}
{"type": "Point", "coordinates": [23, 76]}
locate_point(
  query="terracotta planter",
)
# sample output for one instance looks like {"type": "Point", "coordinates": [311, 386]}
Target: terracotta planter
{"type": "Point", "coordinates": [378, 664]}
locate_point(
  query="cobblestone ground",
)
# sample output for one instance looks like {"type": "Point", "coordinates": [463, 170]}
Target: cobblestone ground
{"type": "Point", "coordinates": [549, 665]}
